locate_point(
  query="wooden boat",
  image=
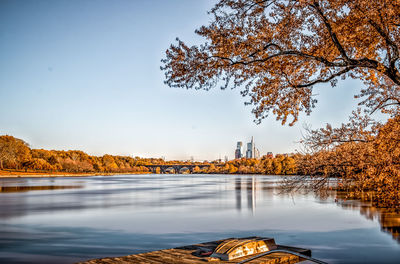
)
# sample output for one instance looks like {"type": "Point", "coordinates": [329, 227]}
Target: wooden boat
{"type": "Point", "coordinates": [254, 250]}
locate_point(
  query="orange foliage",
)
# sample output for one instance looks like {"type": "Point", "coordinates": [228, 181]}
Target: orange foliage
{"type": "Point", "coordinates": [74, 161]}
{"type": "Point", "coordinates": [278, 50]}
{"type": "Point", "coordinates": [367, 162]}
{"type": "Point", "coordinates": [15, 154]}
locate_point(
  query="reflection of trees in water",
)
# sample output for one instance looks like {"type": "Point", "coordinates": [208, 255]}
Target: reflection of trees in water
{"type": "Point", "coordinates": [7, 189]}
{"type": "Point", "coordinates": [390, 222]}
{"type": "Point", "coordinates": [388, 219]}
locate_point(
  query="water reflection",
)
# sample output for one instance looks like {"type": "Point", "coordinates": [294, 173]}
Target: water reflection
{"type": "Point", "coordinates": [388, 219]}
{"type": "Point", "coordinates": [125, 214]}
{"type": "Point", "coordinates": [8, 189]}
{"type": "Point", "coordinates": [238, 192]}
{"type": "Point", "coordinates": [390, 222]}
{"type": "Point", "coordinates": [251, 193]}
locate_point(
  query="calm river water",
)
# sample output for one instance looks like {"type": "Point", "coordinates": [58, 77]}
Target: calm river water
{"type": "Point", "coordinates": [65, 220]}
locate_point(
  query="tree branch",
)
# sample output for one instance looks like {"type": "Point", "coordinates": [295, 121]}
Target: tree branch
{"type": "Point", "coordinates": [327, 79]}
{"type": "Point", "coordinates": [388, 41]}
{"type": "Point", "coordinates": [328, 26]}
{"type": "Point", "coordinates": [383, 104]}
{"type": "Point", "coordinates": [282, 53]}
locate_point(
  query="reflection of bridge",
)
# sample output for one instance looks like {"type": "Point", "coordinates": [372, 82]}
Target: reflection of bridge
{"type": "Point", "coordinates": [178, 168]}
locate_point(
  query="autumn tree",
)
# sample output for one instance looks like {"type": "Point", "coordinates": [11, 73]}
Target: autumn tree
{"type": "Point", "coordinates": [13, 151]}
{"type": "Point", "coordinates": [212, 169]}
{"type": "Point", "coordinates": [277, 166]}
{"type": "Point", "coordinates": [109, 163]}
{"type": "Point", "coordinates": [38, 164]}
{"type": "Point", "coordinates": [288, 166]}
{"type": "Point", "coordinates": [225, 168]}
{"type": "Point", "coordinates": [277, 51]}
{"type": "Point", "coordinates": [232, 169]}
{"type": "Point", "coordinates": [363, 155]}
{"type": "Point", "coordinates": [267, 165]}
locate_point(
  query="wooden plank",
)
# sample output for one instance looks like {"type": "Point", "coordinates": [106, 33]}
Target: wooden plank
{"type": "Point", "coordinates": [191, 255]}
{"type": "Point", "coordinates": [139, 258]}
{"type": "Point", "coordinates": [172, 256]}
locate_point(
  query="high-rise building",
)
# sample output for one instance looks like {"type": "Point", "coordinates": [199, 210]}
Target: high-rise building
{"type": "Point", "coordinates": [256, 153]}
{"type": "Point", "coordinates": [250, 149]}
{"type": "Point", "coordinates": [249, 152]}
{"type": "Point", "coordinates": [252, 152]}
{"type": "Point", "coordinates": [238, 151]}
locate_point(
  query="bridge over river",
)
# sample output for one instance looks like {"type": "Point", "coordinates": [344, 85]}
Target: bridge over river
{"type": "Point", "coordinates": [178, 168]}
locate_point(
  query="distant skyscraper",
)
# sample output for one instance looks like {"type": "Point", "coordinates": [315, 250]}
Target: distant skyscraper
{"type": "Point", "coordinates": [256, 153]}
{"type": "Point", "coordinates": [252, 152]}
{"type": "Point", "coordinates": [238, 151]}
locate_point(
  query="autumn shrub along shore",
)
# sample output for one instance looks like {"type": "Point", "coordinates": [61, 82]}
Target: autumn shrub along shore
{"type": "Point", "coordinates": [363, 154]}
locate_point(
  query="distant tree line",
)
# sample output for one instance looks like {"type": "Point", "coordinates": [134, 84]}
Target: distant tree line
{"type": "Point", "coordinates": [279, 165]}
{"type": "Point", "coordinates": [17, 155]}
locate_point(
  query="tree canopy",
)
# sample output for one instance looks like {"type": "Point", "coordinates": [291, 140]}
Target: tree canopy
{"type": "Point", "coordinates": [13, 150]}
{"type": "Point", "coordinates": [277, 51]}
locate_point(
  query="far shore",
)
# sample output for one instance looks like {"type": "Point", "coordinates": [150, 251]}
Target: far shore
{"type": "Point", "coordinates": [23, 174]}
{"type": "Point", "coordinates": [31, 174]}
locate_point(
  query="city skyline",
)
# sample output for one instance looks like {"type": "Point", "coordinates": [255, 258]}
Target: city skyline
{"type": "Point", "coordinates": [251, 152]}
{"type": "Point", "coordinates": [71, 70]}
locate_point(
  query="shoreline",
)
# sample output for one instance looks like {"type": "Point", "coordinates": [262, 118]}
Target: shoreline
{"type": "Point", "coordinates": [20, 174]}
{"type": "Point", "coordinates": [23, 174]}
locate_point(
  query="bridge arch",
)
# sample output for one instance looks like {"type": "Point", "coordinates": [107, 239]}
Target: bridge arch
{"type": "Point", "coordinates": [184, 170]}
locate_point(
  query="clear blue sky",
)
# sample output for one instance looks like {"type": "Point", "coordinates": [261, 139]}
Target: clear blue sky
{"type": "Point", "coordinates": [85, 75]}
